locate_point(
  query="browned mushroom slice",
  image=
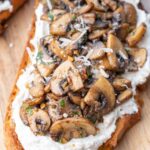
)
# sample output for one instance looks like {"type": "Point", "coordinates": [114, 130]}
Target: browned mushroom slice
{"type": "Point", "coordinates": [112, 58]}
{"type": "Point", "coordinates": [76, 99]}
{"type": "Point", "coordinates": [59, 27]}
{"type": "Point", "coordinates": [104, 15]}
{"type": "Point", "coordinates": [123, 31]}
{"type": "Point", "coordinates": [76, 81]}
{"type": "Point", "coordinates": [139, 55]}
{"type": "Point", "coordinates": [130, 12]}
{"type": "Point", "coordinates": [85, 8]}
{"type": "Point", "coordinates": [55, 48]}
{"type": "Point", "coordinates": [96, 51]}
{"type": "Point", "coordinates": [24, 110]}
{"type": "Point", "coordinates": [47, 87]}
{"type": "Point", "coordinates": [61, 74]}
{"type": "Point", "coordinates": [121, 84]}
{"type": "Point", "coordinates": [76, 40]}
{"type": "Point", "coordinates": [89, 18]}
{"type": "Point", "coordinates": [37, 89]}
{"type": "Point", "coordinates": [136, 36]}
{"type": "Point", "coordinates": [39, 122]}
{"type": "Point", "coordinates": [104, 62]}
{"type": "Point", "coordinates": [101, 94]}
{"type": "Point", "coordinates": [97, 5]}
{"type": "Point", "coordinates": [111, 3]}
{"type": "Point", "coordinates": [45, 70]}
{"type": "Point", "coordinates": [53, 96]}
{"type": "Point", "coordinates": [67, 129]}
{"type": "Point", "coordinates": [124, 96]}
{"type": "Point", "coordinates": [37, 86]}
{"type": "Point", "coordinates": [115, 44]}
{"type": "Point", "coordinates": [121, 13]}
{"type": "Point", "coordinates": [35, 101]}
{"type": "Point", "coordinates": [95, 34]}
{"type": "Point", "coordinates": [93, 114]}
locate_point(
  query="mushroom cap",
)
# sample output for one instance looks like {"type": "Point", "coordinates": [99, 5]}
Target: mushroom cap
{"type": "Point", "coordinates": [23, 113]}
{"type": "Point", "coordinates": [46, 70]}
{"type": "Point", "coordinates": [59, 26]}
{"type": "Point", "coordinates": [97, 5]}
{"type": "Point", "coordinates": [39, 122]}
{"type": "Point", "coordinates": [130, 12]}
{"type": "Point", "coordinates": [115, 44]}
{"type": "Point", "coordinates": [121, 84]}
{"type": "Point", "coordinates": [97, 51]}
{"type": "Point", "coordinates": [67, 129]}
{"type": "Point", "coordinates": [64, 70]}
{"type": "Point", "coordinates": [136, 35]}
{"type": "Point", "coordinates": [101, 86]}
{"type": "Point", "coordinates": [55, 48]}
{"type": "Point", "coordinates": [37, 90]}
{"type": "Point", "coordinates": [139, 55]}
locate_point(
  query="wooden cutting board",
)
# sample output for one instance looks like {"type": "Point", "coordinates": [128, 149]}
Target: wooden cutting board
{"type": "Point", "coordinates": [12, 44]}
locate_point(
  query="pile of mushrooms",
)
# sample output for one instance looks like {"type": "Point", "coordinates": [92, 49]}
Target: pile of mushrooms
{"type": "Point", "coordinates": [67, 98]}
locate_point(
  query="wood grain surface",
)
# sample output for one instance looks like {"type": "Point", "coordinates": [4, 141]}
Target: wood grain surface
{"type": "Point", "coordinates": [12, 44]}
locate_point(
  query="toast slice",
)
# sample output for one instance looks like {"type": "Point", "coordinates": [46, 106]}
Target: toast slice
{"type": "Point", "coordinates": [5, 14]}
{"type": "Point", "coordinates": [11, 139]}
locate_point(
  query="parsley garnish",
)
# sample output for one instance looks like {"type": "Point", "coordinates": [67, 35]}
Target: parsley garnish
{"type": "Point", "coordinates": [74, 17]}
{"type": "Point", "coordinates": [29, 110]}
{"type": "Point", "coordinates": [39, 56]}
{"type": "Point", "coordinates": [75, 113]}
{"type": "Point", "coordinates": [133, 32]}
{"type": "Point", "coordinates": [51, 16]}
{"type": "Point", "coordinates": [62, 103]}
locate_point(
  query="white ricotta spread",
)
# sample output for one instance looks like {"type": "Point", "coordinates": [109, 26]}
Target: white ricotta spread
{"type": "Point", "coordinates": [6, 5]}
{"type": "Point", "coordinates": [141, 76]}
{"type": "Point", "coordinates": [42, 29]}
{"type": "Point", "coordinates": [31, 142]}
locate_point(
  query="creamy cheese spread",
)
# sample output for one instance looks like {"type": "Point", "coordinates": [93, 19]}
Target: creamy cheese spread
{"type": "Point", "coordinates": [6, 5]}
{"type": "Point", "coordinates": [31, 142]}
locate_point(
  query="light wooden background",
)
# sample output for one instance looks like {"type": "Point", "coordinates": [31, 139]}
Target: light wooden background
{"type": "Point", "coordinates": [12, 45]}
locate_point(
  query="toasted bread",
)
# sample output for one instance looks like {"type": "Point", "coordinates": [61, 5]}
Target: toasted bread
{"type": "Point", "coordinates": [11, 140]}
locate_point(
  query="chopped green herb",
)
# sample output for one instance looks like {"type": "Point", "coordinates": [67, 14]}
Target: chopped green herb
{"type": "Point", "coordinates": [39, 56]}
{"type": "Point", "coordinates": [51, 16]}
{"type": "Point", "coordinates": [75, 113]}
{"type": "Point", "coordinates": [74, 17]}
{"type": "Point", "coordinates": [133, 32]}
{"type": "Point", "coordinates": [29, 110]}
{"type": "Point", "coordinates": [25, 106]}
{"type": "Point", "coordinates": [62, 103]}
{"type": "Point", "coordinates": [127, 49]}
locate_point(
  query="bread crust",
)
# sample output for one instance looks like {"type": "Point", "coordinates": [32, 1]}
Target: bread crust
{"type": "Point", "coordinates": [11, 140]}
